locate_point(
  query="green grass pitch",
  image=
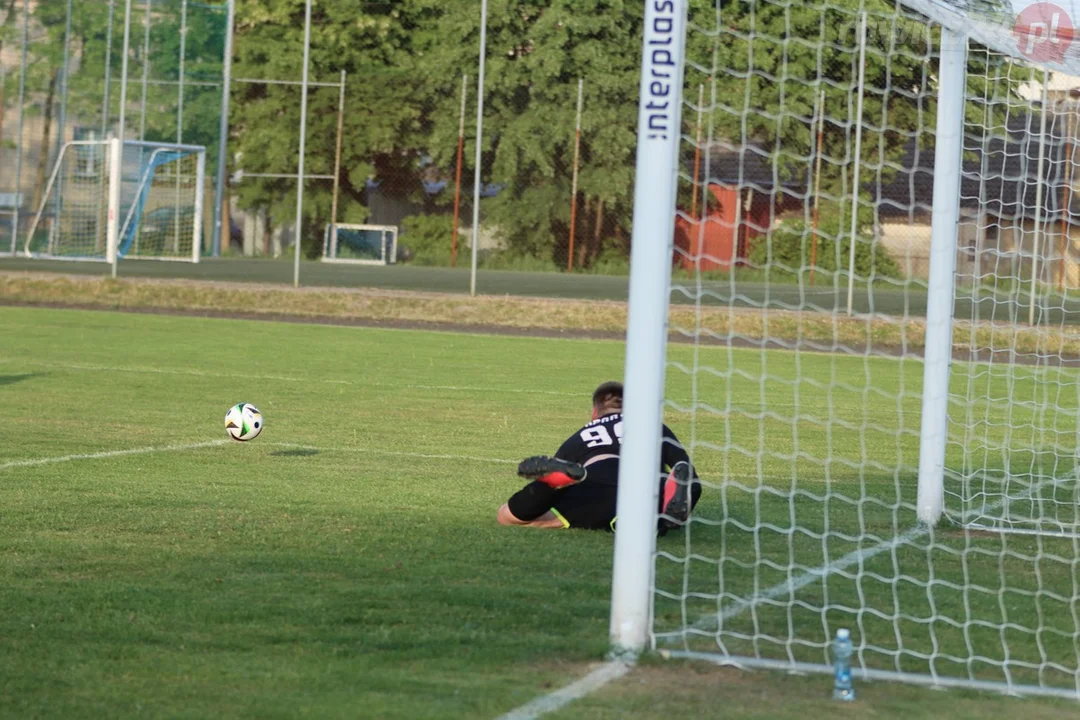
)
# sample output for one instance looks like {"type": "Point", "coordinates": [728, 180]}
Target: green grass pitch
{"type": "Point", "coordinates": [347, 563]}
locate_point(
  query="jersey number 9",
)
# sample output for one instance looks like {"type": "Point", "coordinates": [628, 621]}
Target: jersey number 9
{"type": "Point", "coordinates": [598, 436]}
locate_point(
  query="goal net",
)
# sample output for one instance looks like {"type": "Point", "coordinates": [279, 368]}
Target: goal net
{"type": "Point", "coordinates": [872, 349]}
{"type": "Point", "coordinates": [107, 200]}
{"type": "Point", "coordinates": [360, 244]}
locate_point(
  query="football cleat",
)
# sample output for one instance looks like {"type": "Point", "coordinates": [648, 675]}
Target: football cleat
{"type": "Point", "coordinates": [676, 497]}
{"type": "Point", "coordinates": [553, 472]}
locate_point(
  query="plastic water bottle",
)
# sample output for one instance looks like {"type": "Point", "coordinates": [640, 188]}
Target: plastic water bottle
{"type": "Point", "coordinates": [842, 651]}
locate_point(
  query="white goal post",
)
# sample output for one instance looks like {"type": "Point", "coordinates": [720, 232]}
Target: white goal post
{"type": "Point", "coordinates": [359, 244]}
{"type": "Point", "coordinates": [877, 372]}
{"type": "Point", "coordinates": [106, 201]}
{"type": "Point", "coordinates": [659, 128]}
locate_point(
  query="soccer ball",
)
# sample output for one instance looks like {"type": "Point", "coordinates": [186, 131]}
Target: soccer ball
{"type": "Point", "coordinates": [243, 422]}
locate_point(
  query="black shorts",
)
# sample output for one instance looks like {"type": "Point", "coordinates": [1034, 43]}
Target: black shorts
{"type": "Point", "coordinates": [586, 506]}
{"type": "Point", "coordinates": [591, 504]}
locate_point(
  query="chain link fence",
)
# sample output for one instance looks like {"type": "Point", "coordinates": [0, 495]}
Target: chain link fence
{"type": "Point", "coordinates": [387, 144]}
{"type": "Point", "coordinates": [391, 128]}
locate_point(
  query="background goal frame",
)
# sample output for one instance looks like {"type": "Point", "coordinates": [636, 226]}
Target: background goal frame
{"type": "Point", "coordinates": [387, 246]}
{"type": "Point", "coordinates": [127, 174]}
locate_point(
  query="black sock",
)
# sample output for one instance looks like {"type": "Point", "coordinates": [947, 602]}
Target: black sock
{"type": "Point", "coordinates": [532, 501]}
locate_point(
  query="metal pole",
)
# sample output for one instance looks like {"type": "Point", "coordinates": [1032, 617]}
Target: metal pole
{"type": "Point", "coordinates": [105, 117]}
{"type": "Point", "coordinates": [223, 134]}
{"type": "Point", "coordinates": [145, 71]}
{"type": "Point", "coordinates": [573, 182]}
{"type": "Point", "coordinates": [697, 153]}
{"type": "Point", "coordinates": [981, 218]}
{"type": "Point", "coordinates": [457, 172]}
{"type": "Point", "coordinates": [62, 118]}
{"type": "Point", "coordinates": [180, 121]}
{"type": "Point", "coordinates": [337, 151]}
{"type": "Point", "coordinates": [112, 237]}
{"type": "Point", "coordinates": [19, 126]}
{"type": "Point", "coordinates": [1066, 188]}
{"type": "Point", "coordinates": [144, 87]}
{"type": "Point", "coordinates": [1036, 236]}
{"type": "Point", "coordinates": [200, 188]}
{"type": "Point", "coordinates": [479, 145]}
{"type": "Point", "coordinates": [60, 134]}
{"type": "Point", "coordinates": [655, 188]}
{"type": "Point", "coordinates": [108, 72]}
{"type": "Point", "coordinates": [817, 187]}
{"type": "Point", "coordinates": [3, 101]}
{"type": "Point", "coordinates": [180, 86]}
{"type": "Point", "coordinates": [941, 284]}
{"type": "Point", "coordinates": [858, 166]}
{"type": "Point", "coordinates": [124, 71]}
{"type": "Point", "coordinates": [297, 245]}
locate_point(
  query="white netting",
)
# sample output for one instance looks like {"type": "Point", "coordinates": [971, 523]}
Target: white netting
{"type": "Point", "coordinates": [1014, 417]}
{"type": "Point", "coordinates": [799, 389]}
{"type": "Point", "coordinates": [72, 217]}
{"type": "Point", "coordinates": [360, 244]}
{"type": "Point", "coordinates": [159, 209]}
{"type": "Point", "coordinates": [162, 202]}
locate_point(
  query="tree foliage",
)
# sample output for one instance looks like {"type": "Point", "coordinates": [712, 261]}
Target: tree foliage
{"type": "Point", "coordinates": [771, 69]}
{"type": "Point", "coordinates": [405, 62]}
{"type": "Point", "coordinates": [388, 105]}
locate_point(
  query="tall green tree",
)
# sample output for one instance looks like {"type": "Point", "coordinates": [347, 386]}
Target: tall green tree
{"type": "Point", "coordinates": [537, 52]}
{"type": "Point", "coordinates": [766, 65]}
{"type": "Point", "coordinates": [388, 101]}
{"type": "Point", "coordinates": [203, 46]}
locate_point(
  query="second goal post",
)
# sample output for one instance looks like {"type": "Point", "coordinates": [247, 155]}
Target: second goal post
{"type": "Point", "coordinates": [360, 244]}
{"type": "Point", "coordinates": [106, 200]}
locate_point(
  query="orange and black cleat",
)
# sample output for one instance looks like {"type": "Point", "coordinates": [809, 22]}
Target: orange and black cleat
{"type": "Point", "coordinates": [553, 472]}
{"type": "Point", "coordinates": [676, 497]}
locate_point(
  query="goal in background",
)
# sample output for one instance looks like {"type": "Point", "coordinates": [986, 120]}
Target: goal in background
{"type": "Point", "coordinates": [107, 200]}
{"type": "Point", "coordinates": [360, 244]}
{"type": "Point", "coordinates": [877, 371]}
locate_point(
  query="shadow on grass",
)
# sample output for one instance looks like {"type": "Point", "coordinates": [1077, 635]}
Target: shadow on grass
{"type": "Point", "coordinates": [298, 452]}
{"type": "Point", "coordinates": [12, 379]}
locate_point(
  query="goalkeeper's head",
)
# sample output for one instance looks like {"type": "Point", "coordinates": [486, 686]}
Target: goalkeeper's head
{"type": "Point", "coordinates": [607, 399]}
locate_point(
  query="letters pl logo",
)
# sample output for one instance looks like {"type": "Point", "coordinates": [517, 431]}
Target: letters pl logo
{"type": "Point", "coordinates": [1043, 32]}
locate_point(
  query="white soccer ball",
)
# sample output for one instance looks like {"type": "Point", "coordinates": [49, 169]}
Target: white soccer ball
{"type": "Point", "coordinates": [244, 422]}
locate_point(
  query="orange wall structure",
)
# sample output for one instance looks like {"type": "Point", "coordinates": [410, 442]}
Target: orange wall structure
{"type": "Point", "coordinates": [713, 239]}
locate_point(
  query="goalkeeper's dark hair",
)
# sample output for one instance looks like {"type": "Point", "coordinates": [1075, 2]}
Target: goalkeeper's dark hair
{"type": "Point", "coordinates": [607, 398]}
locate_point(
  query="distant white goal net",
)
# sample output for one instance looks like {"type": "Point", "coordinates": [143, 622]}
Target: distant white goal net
{"type": "Point", "coordinates": [107, 201]}
{"type": "Point", "coordinates": [360, 244]}
{"type": "Point", "coordinates": [872, 216]}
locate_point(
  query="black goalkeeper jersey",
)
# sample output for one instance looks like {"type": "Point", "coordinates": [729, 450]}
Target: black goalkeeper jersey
{"type": "Point", "coordinates": [596, 446]}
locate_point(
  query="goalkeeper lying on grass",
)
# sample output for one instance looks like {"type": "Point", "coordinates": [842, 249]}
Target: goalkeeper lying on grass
{"type": "Point", "coordinates": [577, 488]}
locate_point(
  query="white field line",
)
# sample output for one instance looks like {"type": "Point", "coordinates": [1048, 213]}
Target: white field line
{"type": "Point", "coordinates": [564, 696]}
{"type": "Point", "coordinates": [852, 558]}
{"type": "Point", "coordinates": [614, 670]}
{"type": "Point", "coordinates": [812, 576]}
{"type": "Point", "coordinates": [34, 462]}
{"type": "Point", "coordinates": [285, 378]}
